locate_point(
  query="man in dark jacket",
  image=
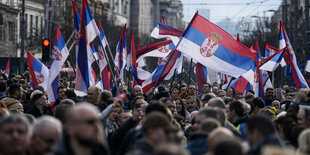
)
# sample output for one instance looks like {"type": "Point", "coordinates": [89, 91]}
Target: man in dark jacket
{"type": "Point", "coordinates": [13, 100]}
{"type": "Point", "coordinates": [261, 132]}
{"type": "Point", "coordinates": [155, 131]}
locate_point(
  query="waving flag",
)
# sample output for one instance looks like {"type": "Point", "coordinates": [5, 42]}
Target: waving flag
{"type": "Point", "coordinates": [256, 48]}
{"type": "Point", "coordinates": [290, 59]}
{"type": "Point", "coordinates": [213, 47]}
{"type": "Point", "coordinates": [273, 61]}
{"type": "Point", "coordinates": [103, 38]}
{"type": "Point", "coordinates": [7, 68]}
{"type": "Point", "coordinates": [104, 72]}
{"type": "Point", "coordinates": [165, 31]}
{"type": "Point", "coordinates": [59, 56]}
{"type": "Point", "coordinates": [120, 56]}
{"type": "Point", "coordinates": [94, 52]}
{"type": "Point", "coordinates": [133, 65]}
{"type": "Point", "coordinates": [258, 85]}
{"type": "Point", "coordinates": [177, 66]}
{"type": "Point", "coordinates": [148, 49]}
{"type": "Point", "coordinates": [88, 32]}
{"type": "Point", "coordinates": [202, 76]}
{"type": "Point", "coordinates": [307, 68]}
{"type": "Point", "coordinates": [151, 81]}
{"type": "Point", "coordinates": [222, 78]}
{"type": "Point", "coordinates": [38, 71]}
{"type": "Point", "coordinates": [270, 50]}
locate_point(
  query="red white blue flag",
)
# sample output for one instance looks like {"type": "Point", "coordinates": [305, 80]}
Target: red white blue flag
{"type": "Point", "coordinates": [88, 32]}
{"type": "Point", "coordinates": [211, 46]}
{"type": "Point", "coordinates": [120, 56]}
{"type": "Point", "coordinates": [290, 59]}
{"type": "Point", "coordinates": [38, 71]}
{"type": "Point", "coordinates": [104, 72]}
{"type": "Point", "coordinates": [155, 79]}
{"type": "Point", "coordinates": [59, 56]}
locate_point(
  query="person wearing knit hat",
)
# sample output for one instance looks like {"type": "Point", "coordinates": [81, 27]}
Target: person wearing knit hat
{"type": "Point", "coordinates": [39, 105]}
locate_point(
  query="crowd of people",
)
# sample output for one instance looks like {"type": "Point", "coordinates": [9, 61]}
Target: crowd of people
{"type": "Point", "coordinates": [171, 119]}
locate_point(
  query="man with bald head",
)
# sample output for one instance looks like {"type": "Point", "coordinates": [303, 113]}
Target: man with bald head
{"type": "Point", "coordinates": [84, 133]}
{"type": "Point", "coordinates": [136, 91]}
{"type": "Point", "coordinates": [47, 131]}
{"type": "Point", "coordinates": [93, 93]}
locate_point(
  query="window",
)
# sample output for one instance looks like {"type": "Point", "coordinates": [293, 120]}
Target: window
{"type": "Point", "coordinates": [30, 26]}
{"type": "Point", "coordinates": [1, 32]}
{"type": "Point", "coordinates": [26, 24]}
{"type": "Point", "coordinates": [37, 26]}
{"type": "Point", "coordinates": [12, 30]}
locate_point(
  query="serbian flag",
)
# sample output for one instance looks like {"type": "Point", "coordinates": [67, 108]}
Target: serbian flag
{"type": "Point", "coordinates": [149, 49]}
{"type": "Point", "coordinates": [165, 31]}
{"type": "Point", "coordinates": [211, 46]}
{"type": "Point", "coordinates": [273, 61]}
{"type": "Point", "coordinates": [290, 59]}
{"type": "Point", "coordinates": [270, 50]}
{"type": "Point", "coordinates": [103, 38]}
{"type": "Point", "coordinates": [38, 71]}
{"type": "Point", "coordinates": [258, 85]}
{"type": "Point", "coordinates": [307, 68]}
{"type": "Point", "coordinates": [151, 81]}
{"type": "Point", "coordinates": [7, 68]}
{"type": "Point", "coordinates": [256, 48]}
{"type": "Point", "coordinates": [222, 78]}
{"type": "Point", "coordinates": [202, 76]}
{"type": "Point", "coordinates": [88, 32]}
{"type": "Point", "coordinates": [120, 56]}
{"type": "Point", "coordinates": [133, 64]}
{"type": "Point", "coordinates": [59, 56]}
{"type": "Point", "coordinates": [104, 72]}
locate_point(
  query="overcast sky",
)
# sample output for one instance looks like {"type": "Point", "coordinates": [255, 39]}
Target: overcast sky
{"type": "Point", "coordinates": [233, 9]}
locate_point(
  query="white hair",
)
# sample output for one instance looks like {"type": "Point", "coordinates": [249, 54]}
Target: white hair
{"type": "Point", "coordinates": [46, 121]}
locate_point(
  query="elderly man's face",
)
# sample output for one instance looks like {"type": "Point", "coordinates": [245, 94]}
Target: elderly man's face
{"type": "Point", "coordinates": [14, 138]}
{"type": "Point", "coordinates": [86, 128]}
{"type": "Point", "coordinates": [92, 95]}
{"type": "Point", "coordinates": [276, 104]}
{"type": "Point", "coordinates": [44, 142]}
{"type": "Point", "coordinates": [137, 91]}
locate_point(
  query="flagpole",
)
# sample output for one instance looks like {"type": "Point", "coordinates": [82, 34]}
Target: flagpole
{"type": "Point", "coordinates": [184, 74]}
{"type": "Point", "coordinates": [109, 67]}
{"type": "Point", "coordinates": [110, 54]}
{"type": "Point", "coordinates": [232, 78]}
{"type": "Point", "coordinates": [172, 80]}
{"type": "Point", "coordinates": [168, 62]}
{"type": "Point", "coordinates": [190, 70]}
{"type": "Point", "coordinates": [175, 49]}
{"type": "Point", "coordinates": [270, 74]}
